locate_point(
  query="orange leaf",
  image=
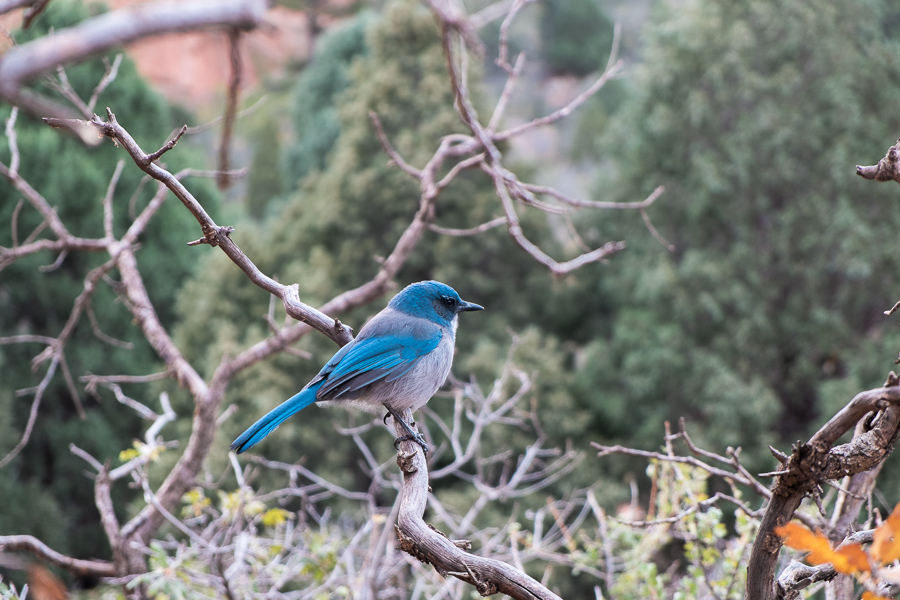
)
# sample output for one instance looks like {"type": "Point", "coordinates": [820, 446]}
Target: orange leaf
{"type": "Point", "coordinates": [851, 559]}
{"type": "Point", "coordinates": [867, 595]}
{"type": "Point", "coordinates": [799, 537]}
{"type": "Point", "coordinates": [886, 542]}
{"type": "Point", "coordinates": [848, 560]}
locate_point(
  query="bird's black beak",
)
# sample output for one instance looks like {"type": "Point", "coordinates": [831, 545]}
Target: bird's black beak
{"type": "Point", "coordinates": [465, 306]}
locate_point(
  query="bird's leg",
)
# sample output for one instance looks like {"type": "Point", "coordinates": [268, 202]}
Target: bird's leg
{"type": "Point", "coordinates": [411, 435]}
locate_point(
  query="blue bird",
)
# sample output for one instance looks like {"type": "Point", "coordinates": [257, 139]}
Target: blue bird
{"type": "Point", "coordinates": [399, 360]}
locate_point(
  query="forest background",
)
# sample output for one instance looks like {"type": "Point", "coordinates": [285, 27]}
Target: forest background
{"type": "Point", "coordinates": [763, 318]}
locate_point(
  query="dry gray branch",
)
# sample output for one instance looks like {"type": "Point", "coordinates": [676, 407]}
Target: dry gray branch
{"type": "Point", "coordinates": [416, 538]}
{"type": "Point", "coordinates": [25, 62]}
{"type": "Point", "coordinates": [817, 460]}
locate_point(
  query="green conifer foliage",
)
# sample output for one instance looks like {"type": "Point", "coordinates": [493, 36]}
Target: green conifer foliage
{"type": "Point", "coordinates": [768, 316]}
{"type": "Point", "coordinates": [315, 118]}
{"type": "Point", "coordinates": [576, 36]}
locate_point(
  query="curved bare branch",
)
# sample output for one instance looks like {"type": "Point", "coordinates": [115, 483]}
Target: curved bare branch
{"type": "Point", "coordinates": [99, 568]}
{"type": "Point", "coordinates": [26, 61]}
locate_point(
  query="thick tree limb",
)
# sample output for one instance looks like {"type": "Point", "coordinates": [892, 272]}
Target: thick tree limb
{"type": "Point", "coordinates": [797, 576]}
{"type": "Point", "coordinates": [887, 169]}
{"type": "Point", "coordinates": [26, 61]}
{"type": "Point", "coordinates": [815, 461]}
{"type": "Point", "coordinates": [449, 557]}
{"type": "Point", "coordinates": [231, 105]}
{"type": "Point", "coordinates": [22, 63]}
{"type": "Point", "coordinates": [9, 5]}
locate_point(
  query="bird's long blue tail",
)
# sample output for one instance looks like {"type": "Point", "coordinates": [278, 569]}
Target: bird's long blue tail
{"type": "Point", "coordinates": [275, 417]}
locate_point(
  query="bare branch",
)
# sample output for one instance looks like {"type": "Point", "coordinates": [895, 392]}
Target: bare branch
{"type": "Point", "coordinates": [320, 481]}
{"type": "Point", "coordinates": [26, 61]}
{"type": "Point", "coordinates": [645, 203]}
{"type": "Point", "coordinates": [797, 576]}
{"type": "Point", "coordinates": [70, 384]}
{"type": "Point", "coordinates": [493, 223]}
{"type": "Point", "coordinates": [503, 52]}
{"type": "Point", "coordinates": [93, 380]}
{"type": "Point", "coordinates": [213, 122]}
{"type": "Point", "coordinates": [10, 5]}
{"type": "Point", "coordinates": [386, 144]}
{"type": "Point", "coordinates": [97, 568]}
{"type": "Point", "coordinates": [86, 457]}
{"type": "Point", "coordinates": [61, 84]}
{"type": "Point", "coordinates": [14, 222]}
{"type": "Point", "coordinates": [112, 71]}
{"type": "Point", "coordinates": [656, 234]}
{"type": "Point", "coordinates": [65, 240]}
{"type": "Point", "coordinates": [103, 501]}
{"type": "Point", "coordinates": [490, 13]}
{"type": "Point", "coordinates": [459, 167]}
{"type": "Point", "coordinates": [613, 69]}
{"type": "Point", "coordinates": [213, 233]}
{"type": "Point", "coordinates": [31, 13]}
{"type": "Point", "coordinates": [817, 460]}
{"type": "Point", "coordinates": [13, 149]}
{"type": "Point", "coordinates": [488, 576]}
{"type": "Point", "coordinates": [32, 413]}
{"type": "Point", "coordinates": [107, 200]}
{"type": "Point", "coordinates": [887, 169]}
{"type": "Point", "coordinates": [234, 85]}
{"type": "Point", "coordinates": [19, 339]}
{"type": "Point", "coordinates": [98, 333]}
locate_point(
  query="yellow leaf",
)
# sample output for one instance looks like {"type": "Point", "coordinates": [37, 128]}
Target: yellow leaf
{"type": "Point", "coordinates": [886, 542]}
{"type": "Point", "coordinates": [193, 496]}
{"type": "Point", "coordinates": [197, 501]}
{"type": "Point", "coordinates": [275, 516]}
{"type": "Point", "coordinates": [126, 455]}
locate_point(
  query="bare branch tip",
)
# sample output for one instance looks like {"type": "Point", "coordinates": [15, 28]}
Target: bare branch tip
{"type": "Point", "coordinates": [893, 309]}
{"type": "Point", "coordinates": [774, 473]}
{"type": "Point", "coordinates": [781, 456]}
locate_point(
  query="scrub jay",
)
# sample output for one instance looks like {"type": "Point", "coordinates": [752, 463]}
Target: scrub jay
{"type": "Point", "coordinates": [399, 360]}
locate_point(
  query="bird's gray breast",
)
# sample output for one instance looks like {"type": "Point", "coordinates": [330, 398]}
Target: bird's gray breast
{"type": "Point", "coordinates": [413, 389]}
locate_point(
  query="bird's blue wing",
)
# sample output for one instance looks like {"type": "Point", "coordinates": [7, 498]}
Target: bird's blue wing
{"type": "Point", "coordinates": [374, 358]}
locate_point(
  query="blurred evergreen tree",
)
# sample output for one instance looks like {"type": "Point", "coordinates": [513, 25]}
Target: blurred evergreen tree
{"type": "Point", "coordinates": [44, 492]}
{"type": "Point", "coordinates": [314, 114]}
{"type": "Point", "coordinates": [768, 317]}
{"type": "Point", "coordinates": [265, 177]}
{"type": "Point", "coordinates": [576, 36]}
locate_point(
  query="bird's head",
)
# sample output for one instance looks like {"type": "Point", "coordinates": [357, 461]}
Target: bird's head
{"type": "Point", "coordinates": [431, 300]}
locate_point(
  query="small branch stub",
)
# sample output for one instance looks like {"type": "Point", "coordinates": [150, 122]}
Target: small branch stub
{"type": "Point", "coordinates": [887, 169]}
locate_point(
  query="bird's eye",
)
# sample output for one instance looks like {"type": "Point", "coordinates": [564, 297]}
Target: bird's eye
{"type": "Point", "coordinates": [449, 301]}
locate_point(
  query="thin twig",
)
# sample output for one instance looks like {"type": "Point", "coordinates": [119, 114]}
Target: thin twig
{"type": "Point", "coordinates": [471, 231]}
{"type": "Point", "coordinates": [234, 85]}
